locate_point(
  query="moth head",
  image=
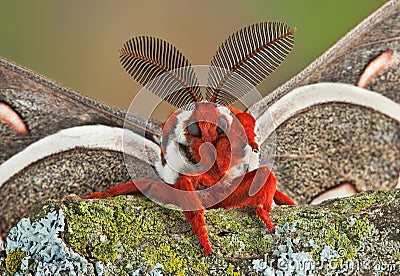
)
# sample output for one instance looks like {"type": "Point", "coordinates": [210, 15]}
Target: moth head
{"type": "Point", "coordinates": [188, 130]}
{"type": "Point", "coordinates": [207, 122]}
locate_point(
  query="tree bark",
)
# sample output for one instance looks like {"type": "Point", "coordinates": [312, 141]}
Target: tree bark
{"type": "Point", "coordinates": [129, 235]}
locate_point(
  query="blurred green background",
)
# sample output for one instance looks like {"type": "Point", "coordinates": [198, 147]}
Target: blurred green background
{"type": "Point", "coordinates": [74, 42]}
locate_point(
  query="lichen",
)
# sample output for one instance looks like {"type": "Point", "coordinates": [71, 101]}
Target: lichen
{"type": "Point", "coordinates": [134, 236]}
{"type": "Point", "coordinates": [287, 258]}
{"type": "Point", "coordinates": [99, 268]}
{"type": "Point", "coordinates": [237, 232]}
{"type": "Point", "coordinates": [333, 224]}
{"type": "Point", "coordinates": [14, 260]}
{"type": "Point", "coordinates": [140, 231]}
{"type": "Point", "coordinates": [231, 271]}
{"type": "Point", "coordinates": [340, 231]}
{"type": "Point", "coordinates": [43, 248]}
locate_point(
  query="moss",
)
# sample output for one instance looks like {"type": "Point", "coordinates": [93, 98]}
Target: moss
{"type": "Point", "coordinates": [238, 231]}
{"type": "Point", "coordinates": [226, 222]}
{"type": "Point", "coordinates": [344, 225]}
{"type": "Point", "coordinates": [361, 201]}
{"type": "Point", "coordinates": [14, 260]}
{"type": "Point", "coordinates": [338, 240]}
{"type": "Point", "coordinates": [231, 271]}
{"type": "Point", "coordinates": [140, 230]}
{"type": "Point", "coordinates": [131, 234]}
{"type": "Point", "coordinates": [177, 258]}
{"type": "Point", "coordinates": [280, 219]}
{"type": "Point", "coordinates": [396, 255]}
{"type": "Point", "coordinates": [361, 227]}
{"type": "Point", "coordinates": [135, 228]}
{"type": "Point", "coordinates": [164, 254]}
{"type": "Point", "coordinates": [95, 218]}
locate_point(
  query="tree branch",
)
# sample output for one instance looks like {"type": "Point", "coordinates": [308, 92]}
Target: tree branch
{"type": "Point", "coordinates": [128, 235]}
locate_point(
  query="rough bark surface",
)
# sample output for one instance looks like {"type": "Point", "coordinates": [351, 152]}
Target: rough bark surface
{"type": "Point", "coordinates": [128, 235]}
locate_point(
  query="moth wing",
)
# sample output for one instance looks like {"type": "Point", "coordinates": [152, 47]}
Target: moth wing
{"type": "Point", "coordinates": [73, 143]}
{"type": "Point", "coordinates": [332, 142]}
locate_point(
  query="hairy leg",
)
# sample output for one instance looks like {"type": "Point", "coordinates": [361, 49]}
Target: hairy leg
{"type": "Point", "coordinates": [128, 188]}
{"type": "Point", "coordinates": [198, 224]}
{"type": "Point", "coordinates": [193, 208]}
{"type": "Point", "coordinates": [258, 189]}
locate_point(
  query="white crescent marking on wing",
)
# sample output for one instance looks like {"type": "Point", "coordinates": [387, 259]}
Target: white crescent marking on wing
{"type": "Point", "coordinates": [343, 190]}
{"type": "Point", "coordinates": [89, 136]}
{"type": "Point", "coordinates": [310, 95]}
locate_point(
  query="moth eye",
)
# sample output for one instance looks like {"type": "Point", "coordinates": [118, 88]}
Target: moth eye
{"type": "Point", "coordinates": [194, 129]}
{"type": "Point", "coordinates": [222, 124]}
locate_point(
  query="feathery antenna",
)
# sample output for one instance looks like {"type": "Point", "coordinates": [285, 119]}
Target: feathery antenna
{"type": "Point", "coordinates": [159, 65]}
{"type": "Point", "coordinates": [246, 58]}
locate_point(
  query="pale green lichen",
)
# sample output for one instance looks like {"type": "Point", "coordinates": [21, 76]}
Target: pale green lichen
{"type": "Point", "coordinates": [344, 225]}
{"type": "Point", "coordinates": [14, 260]}
{"type": "Point", "coordinates": [46, 252]}
{"type": "Point", "coordinates": [330, 224]}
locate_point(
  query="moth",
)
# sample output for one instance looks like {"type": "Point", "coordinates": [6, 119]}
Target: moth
{"type": "Point", "coordinates": [328, 133]}
{"type": "Point", "coordinates": [220, 153]}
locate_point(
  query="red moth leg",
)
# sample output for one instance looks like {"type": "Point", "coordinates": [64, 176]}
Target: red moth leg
{"type": "Point", "coordinates": [128, 188]}
{"type": "Point", "coordinates": [262, 200]}
{"type": "Point", "coordinates": [195, 210]}
{"type": "Point", "coordinates": [198, 223]}
{"type": "Point", "coordinates": [282, 199]}
{"type": "Point", "coordinates": [156, 190]}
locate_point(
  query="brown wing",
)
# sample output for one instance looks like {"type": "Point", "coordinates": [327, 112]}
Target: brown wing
{"type": "Point", "coordinates": [55, 158]}
{"type": "Point", "coordinates": [336, 141]}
